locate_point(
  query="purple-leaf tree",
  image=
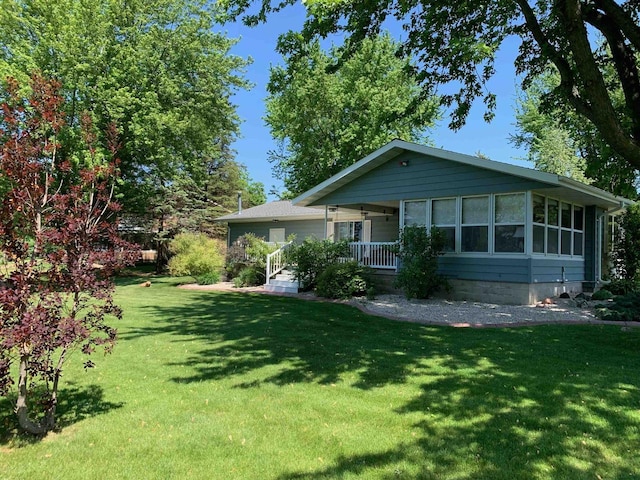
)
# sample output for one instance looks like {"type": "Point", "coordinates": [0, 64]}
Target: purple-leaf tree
{"type": "Point", "coordinates": [58, 236]}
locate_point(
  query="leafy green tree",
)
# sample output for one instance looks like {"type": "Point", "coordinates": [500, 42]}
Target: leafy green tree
{"type": "Point", "coordinates": [198, 256]}
{"type": "Point", "coordinates": [550, 146]}
{"type": "Point", "coordinates": [627, 250]}
{"type": "Point", "coordinates": [327, 120]}
{"type": "Point", "coordinates": [456, 43]}
{"type": "Point", "coordinates": [155, 68]}
{"type": "Point", "coordinates": [560, 141]}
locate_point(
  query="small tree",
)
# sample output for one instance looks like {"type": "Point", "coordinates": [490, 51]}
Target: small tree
{"type": "Point", "coordinates": [198, 256]}
{"type": "Point", "coordinates": [60, 240]}
{"type": "Point", "coordinates": [418, 251]}
{"type": "Point", "coordinates": [627, 249]}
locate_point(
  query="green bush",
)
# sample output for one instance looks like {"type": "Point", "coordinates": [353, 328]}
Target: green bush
{"type": "Point", "coordinates": [418, 252]}
{"type": "Point", "coordinates": [344, 280]}
{"type": "Point", "coordinates": [625, 308]}
{"type": "Point", "coordinates": [196, 255]}
{"type": "Point", "coordinates": [622, 286]}
{"type": "Point", "coordinates": [312, 257]}
{"type": "Point", "coordinates": [602, 294]}
{"type": "Point", "coordinates": [210, 278]}
{"type": "Point", "coordinates": [250, 276]}
{"type": "Point", "coordinates": [249, 251]}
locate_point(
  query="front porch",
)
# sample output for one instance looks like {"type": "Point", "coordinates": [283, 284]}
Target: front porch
{"type": "Point", "coordinates": [376, 255]}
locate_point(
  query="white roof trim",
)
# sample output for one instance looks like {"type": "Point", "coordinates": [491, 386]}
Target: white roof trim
{"type": "Point", "coordinates": [595, 192]}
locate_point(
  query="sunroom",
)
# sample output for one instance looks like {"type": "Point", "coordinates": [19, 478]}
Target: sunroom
{"type": "Point", "coordinates": [514, 234]}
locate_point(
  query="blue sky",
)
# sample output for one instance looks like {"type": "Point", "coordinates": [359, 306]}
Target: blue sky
{"type": "Point", "coordinates": [259, 43]}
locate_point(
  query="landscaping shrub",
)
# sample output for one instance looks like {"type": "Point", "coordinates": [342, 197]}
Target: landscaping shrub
{"type": "Point", "coordinates": [312, 257]}
{"type": "Point", "coordinates": [418, 252]}
{"type": "Point", "coordinates": [625, 308]}
{"type": "Point", "coordinates": [344, 280]}
{"type": "Point", "coordinates": [210, 278]}
{"type": "Point", "coordinates": [196, 255]}
{"type": "Point", "coordinates": [248, 252]}
{"type": "Point", "coordinates": [249, 277]}
{"type": "Point", "coordinates": [602, 294]}
{"type": "Point", "coordinates": [622, 286]}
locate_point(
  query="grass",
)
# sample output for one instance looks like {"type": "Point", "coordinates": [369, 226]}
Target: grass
{"type": "Point", "coordinates": [206, 385]}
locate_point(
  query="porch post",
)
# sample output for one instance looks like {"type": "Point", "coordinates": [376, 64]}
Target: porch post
{"type": "Point", "coordinates": [326, 219]}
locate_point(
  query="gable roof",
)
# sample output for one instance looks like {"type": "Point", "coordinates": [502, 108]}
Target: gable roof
{"type": "Point", "coordinates": [273, 210]}
{"type": "Point", "coordinates": [397, 147]}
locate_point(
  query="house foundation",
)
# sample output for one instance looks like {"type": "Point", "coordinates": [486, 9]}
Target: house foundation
{"type": "Point", "coordinates": [506, 293]}
{"type": "Point", "coordinates": [509, 293]}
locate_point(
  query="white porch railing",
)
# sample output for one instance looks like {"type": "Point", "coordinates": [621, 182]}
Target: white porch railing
{"type": "Point", "coordinates": [275, 262]}
{"type": "Point", "coordinates": [374, 254]}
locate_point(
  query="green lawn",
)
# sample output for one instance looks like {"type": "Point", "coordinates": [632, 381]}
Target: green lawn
{"type": "Point", "coordinates": [221, 386]}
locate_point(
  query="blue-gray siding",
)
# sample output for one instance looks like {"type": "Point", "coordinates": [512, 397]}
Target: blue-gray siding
{"type": "Point", "coordinates": [424, 177]}
{"type": "Point", "coordinates": [514, 270]}
{"type": "Point", "coordinates": [549, 270]}
{"type": "Point", "coordinates": [485, 268]}
{"type": "Point", "coordinates": [301, 228]}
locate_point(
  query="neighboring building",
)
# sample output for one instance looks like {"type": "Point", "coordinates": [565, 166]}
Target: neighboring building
{"type": "Point", "coordinates": [515, 234]}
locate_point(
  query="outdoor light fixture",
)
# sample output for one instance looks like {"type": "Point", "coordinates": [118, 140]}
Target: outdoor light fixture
{"type": "Point", "coordinates": [404, 163]}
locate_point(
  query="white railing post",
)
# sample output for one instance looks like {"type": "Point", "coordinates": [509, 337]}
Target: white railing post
{"type": "Point", "coordinates": [374, 254]}
{"type": "Point", "coordinates": [275, 262]}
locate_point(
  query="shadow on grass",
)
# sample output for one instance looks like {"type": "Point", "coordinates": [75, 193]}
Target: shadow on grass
{"type": "Point", "coordinates": [541, 402]}
{"type": "Point", "coordinates": [74, 405]}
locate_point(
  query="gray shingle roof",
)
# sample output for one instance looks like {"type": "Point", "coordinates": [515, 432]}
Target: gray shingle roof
{"type": "Point", "coordinates": [273, 210]}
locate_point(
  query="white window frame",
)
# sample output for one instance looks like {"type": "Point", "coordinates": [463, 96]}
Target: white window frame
{"type": "Point", "coordinates": [488, 224]}
{"type": "Point", "coordinates": [456, 225]}
{"type": "Point", "coordinates": [547, 226]}
{"type": "Point", "coordinates": [508, 224]}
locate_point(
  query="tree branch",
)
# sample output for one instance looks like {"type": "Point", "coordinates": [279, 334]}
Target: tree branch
{"type": "Point", "coordinates": [623, 19]}
{"type": "Point", "coordinates": [570, 15]}
{"type": "Point", "coordinates": [624, 61]}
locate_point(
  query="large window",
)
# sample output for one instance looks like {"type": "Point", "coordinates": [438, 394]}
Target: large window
{"type": "Point", "coordinates": [509, 223]}
{"type": "Point", "coordinates": [415, 213]}
{"type": "Point", "coordinates": [443, 216]}
{"type": "Point", "coordinates": [558, 227]}
{"type": "Point", "coordinates": [475, 224]}
{"type": "Point", "coordinates": [498, 223]}
{"type": "Point", "coordinates": [351, 231]}
{"type": "Point", "coordinates": [539, 222]}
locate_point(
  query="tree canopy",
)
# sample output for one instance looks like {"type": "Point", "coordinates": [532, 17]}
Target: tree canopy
{"type": "Point", "coordinates": [560, 141]}
{"type": "Point", "coordinates": [326, 120]}
{"type": "Point", "coordinates": [456, 43]}
{"type": "Point", "coordinates": [155, 68]}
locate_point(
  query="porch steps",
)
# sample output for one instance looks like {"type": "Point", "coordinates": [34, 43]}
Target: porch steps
{"type": "Point", "coordinates": [282, 283]}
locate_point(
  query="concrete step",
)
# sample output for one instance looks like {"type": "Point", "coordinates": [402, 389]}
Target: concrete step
{"type": "Point", "coordinates": [271, 287]}
{"type": "Point", "coordinates": [283, 282]}
{"type": "Point", "coordinates": [286, 277]}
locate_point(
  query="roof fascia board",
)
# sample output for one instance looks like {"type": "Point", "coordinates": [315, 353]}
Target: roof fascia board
{"type": "Point", "coordinates": [595, 192]}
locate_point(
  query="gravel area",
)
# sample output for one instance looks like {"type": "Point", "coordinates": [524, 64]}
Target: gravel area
{"type": "Point", "coordinates": [468, 314]}
{"type": "Point", "coordinates": [455, 313]}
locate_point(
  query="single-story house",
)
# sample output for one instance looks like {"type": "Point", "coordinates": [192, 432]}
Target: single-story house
{"type": "Point", "coordinates": [514, 234]}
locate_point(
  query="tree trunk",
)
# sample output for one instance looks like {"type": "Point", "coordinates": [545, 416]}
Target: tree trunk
{"type": "Point", "coordinates": [22, 410]}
